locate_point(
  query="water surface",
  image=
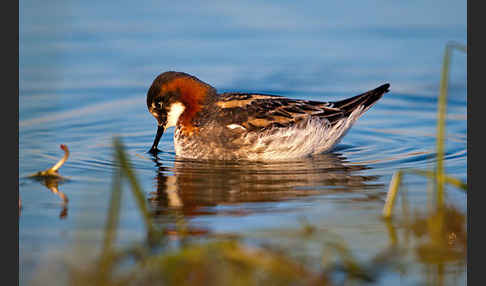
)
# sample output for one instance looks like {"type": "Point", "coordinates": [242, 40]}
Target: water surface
{"type": "Point", "coordinates": [85, 68]}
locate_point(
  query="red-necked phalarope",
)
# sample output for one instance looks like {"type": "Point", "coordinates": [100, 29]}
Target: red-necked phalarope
{"type": "Point", "coordinates": [248, 126]}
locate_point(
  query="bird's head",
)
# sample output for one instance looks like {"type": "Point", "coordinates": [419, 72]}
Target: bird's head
{"type": "Point", "coordinates": [175, 98]}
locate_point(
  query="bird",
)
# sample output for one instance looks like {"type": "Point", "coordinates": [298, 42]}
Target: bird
{"type": "Point", "coordinates": [248, 126]}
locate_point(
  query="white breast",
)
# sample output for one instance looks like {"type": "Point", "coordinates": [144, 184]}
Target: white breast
{"type": "Point", "coordinates": [175, 111]}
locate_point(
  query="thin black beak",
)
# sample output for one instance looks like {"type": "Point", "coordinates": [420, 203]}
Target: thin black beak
{"type": "Point", "coordinates": [160, 131]}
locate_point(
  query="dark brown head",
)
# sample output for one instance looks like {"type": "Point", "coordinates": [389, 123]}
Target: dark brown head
{"type": "Point", "coordinates": [175, 98]}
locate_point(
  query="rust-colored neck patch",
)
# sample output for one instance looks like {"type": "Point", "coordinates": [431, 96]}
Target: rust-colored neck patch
{"type": "Point", "coordinates": [192, 94]}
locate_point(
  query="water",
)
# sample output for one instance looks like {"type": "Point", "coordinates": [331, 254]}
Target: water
{"type": "Point", "coordinates": [85, 68]}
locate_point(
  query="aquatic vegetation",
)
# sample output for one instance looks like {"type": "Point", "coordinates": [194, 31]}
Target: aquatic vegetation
{"type": "Point", "coordinates": [439, 176]}
{"type": "Point", "coordinates": [52, 183]}
{"type": "Point", "coordinates": [53, 171]}
{"type": "Point", "coordinates": [440, 239]}
{"type": "Point", "coordinates": [51, 178]}
{"type": "Point", "coordinates": [441, 116]}
{"type": "Point", "coordinates": [222, 261]}
{"type": "Point", "coordinates": [440, 230]}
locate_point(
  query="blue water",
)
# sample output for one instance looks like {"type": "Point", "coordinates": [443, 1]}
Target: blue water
{"type": "Point", "coordinates": [85, 68]}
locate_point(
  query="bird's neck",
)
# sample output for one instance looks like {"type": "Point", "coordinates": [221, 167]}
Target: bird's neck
{"type": "Point", "coordinates": [194, 95]}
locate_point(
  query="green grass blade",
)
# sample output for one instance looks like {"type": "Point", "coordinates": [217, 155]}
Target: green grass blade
{"type": "Point", "coordinates": [111, 226]}
{"type": "Point", "coordinates": [113, 213]}
{"type": "Point", "coordinates": [135, 186]}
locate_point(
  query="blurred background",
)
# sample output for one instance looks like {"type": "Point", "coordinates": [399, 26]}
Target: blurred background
{"type": "Point", "coordinates": [313, 45]}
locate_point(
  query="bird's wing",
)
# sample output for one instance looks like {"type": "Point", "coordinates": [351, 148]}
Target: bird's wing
{"type": "Point", "coordinates": [259, 111]}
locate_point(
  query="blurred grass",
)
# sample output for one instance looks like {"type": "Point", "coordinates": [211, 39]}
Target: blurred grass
{"type": "Point", "coordinates": [106, 260]}
{"type": "Point", "coordinates": [230, 261]}
{"type": "Point", "coordinates": [226, 261]}
{"type": "Point", "coordinates": [392, 193]}
{"type": "Point", "coordinates": [441, 117]}
{"type": "Point", "coordinates": [442, 229]}
{"type": "Point", "coordinates": [138, 194]}
{"type": "Point", "coordinates": [438, 175]}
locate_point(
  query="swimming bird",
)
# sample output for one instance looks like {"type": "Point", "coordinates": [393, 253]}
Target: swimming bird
{"type": "Point", "coordinates": [248, 126]}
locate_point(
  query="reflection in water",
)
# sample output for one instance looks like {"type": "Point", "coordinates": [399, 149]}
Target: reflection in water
{"type": "Point", "coordinates": [437, 239]}
{"type": "Point", "coordinates": [51, 179]}
{"type": "Point", "coordinates": [442, 243]}
{"type": "Point", "coordinates": [194, 186]}
{"type": "Point", "coordinates": [52, 183]}
{"type": "Point", "coordinates": [438, 243]}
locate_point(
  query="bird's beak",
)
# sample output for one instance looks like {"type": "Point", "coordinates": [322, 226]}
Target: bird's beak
{"type": "Point", "coordinates": [160, 131]}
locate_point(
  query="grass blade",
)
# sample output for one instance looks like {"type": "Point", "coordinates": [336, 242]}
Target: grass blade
{"type": "Point", "coordinates": [107, 257]}
{"type": "Point", "coordinates": [135, 186]}
{"type": "Point", "coordinates": [392, 193]}
{"type": "Point", "coordinates": [447, 179]}
{"type": "Point", "coordinates": [441, 117]}
{"type": "Point", "coordinates": [442, 104]}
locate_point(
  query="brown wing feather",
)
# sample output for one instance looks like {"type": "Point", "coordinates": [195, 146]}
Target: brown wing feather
{"type": "Point", "coordinates": [259, 111]}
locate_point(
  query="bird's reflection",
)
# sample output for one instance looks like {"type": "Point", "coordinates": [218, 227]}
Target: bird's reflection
{"type": "Point", "coordinates": [193, 187]}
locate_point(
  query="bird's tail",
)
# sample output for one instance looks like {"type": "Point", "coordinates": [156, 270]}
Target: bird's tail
{"type": "Point", "coordinates": [365, 100]}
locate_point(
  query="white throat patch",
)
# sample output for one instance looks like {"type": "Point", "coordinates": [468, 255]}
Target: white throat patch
{"type": "Point", "coordinates": [175, 111]}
